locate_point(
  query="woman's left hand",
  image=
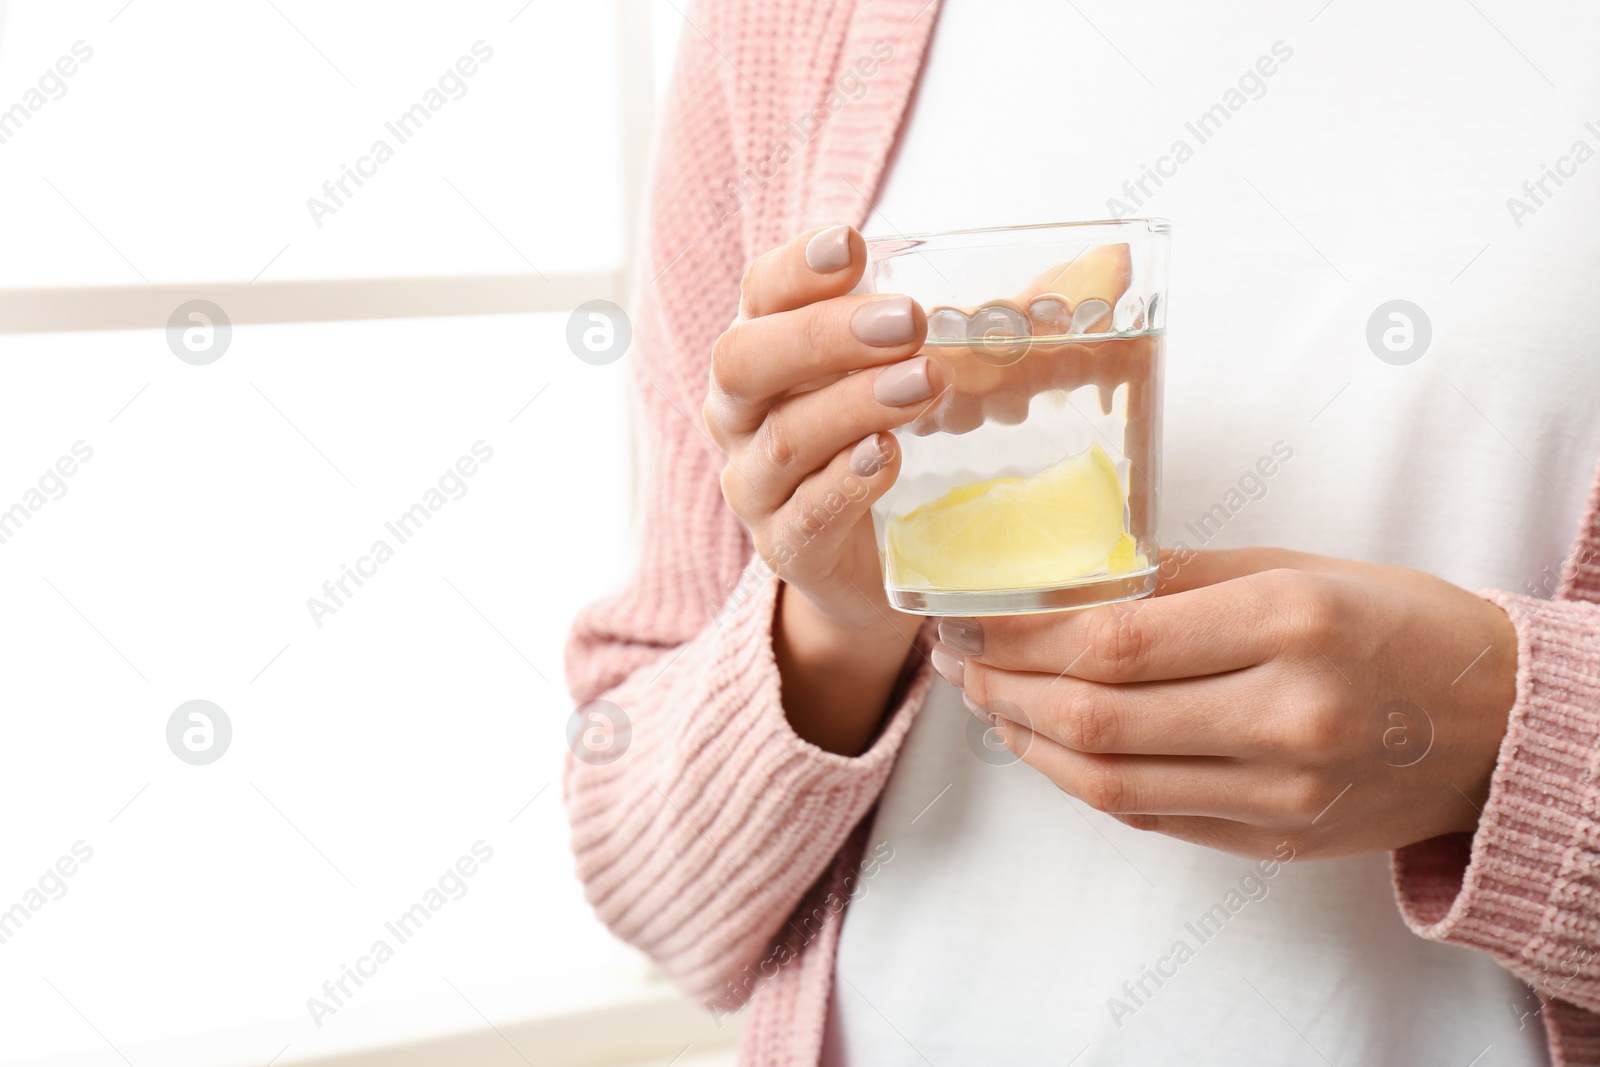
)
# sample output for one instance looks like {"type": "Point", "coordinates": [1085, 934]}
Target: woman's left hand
{"type": "Point", "coordinates": [1261, 696]}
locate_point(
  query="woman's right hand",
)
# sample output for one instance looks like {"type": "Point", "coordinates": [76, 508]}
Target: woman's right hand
{"type": "Point", "coordinates": [808, 454]}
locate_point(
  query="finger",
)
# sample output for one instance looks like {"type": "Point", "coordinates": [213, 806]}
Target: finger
{"type": "Point", "coordinates": [1101, 273]}
{"type": "Point", "coordinates": [1223, 835]}
{"type": "Point", "coordinates": [756, 362]}
{"type": "Point", "coordinates": [1183, 569]}
{"type": "Point", "coordinates": [1209, 630]}
{"type": "Point", "coordinates": [1216, 715]}
{"type": "Point", "coordinates": [805, 431]}
{"type": "Point", "coordinates": [828, 505]}
{"type": "Point", "coordinates": [1142, 785]}
{"type": "Point", "coordinates": [818, 264]}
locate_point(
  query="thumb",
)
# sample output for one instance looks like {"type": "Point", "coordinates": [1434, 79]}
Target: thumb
{"type": "Point", "coordinates": [1182, 569]}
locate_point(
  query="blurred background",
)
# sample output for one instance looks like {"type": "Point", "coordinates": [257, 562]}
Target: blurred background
{"type": "Point", "coordinates": [243, 344]}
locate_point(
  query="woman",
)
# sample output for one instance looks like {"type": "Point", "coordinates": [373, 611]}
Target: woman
{"type": "Point", "coordinates": [801, 821]}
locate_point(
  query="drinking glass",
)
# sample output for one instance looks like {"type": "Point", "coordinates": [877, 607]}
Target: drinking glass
{"type": "Point", "coordinates": [1031, 481]}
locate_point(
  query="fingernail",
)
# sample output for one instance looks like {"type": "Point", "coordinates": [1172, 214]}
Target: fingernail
{"type": "Point", "coordinates": [962, 635]}
{"type": "Point", "coordinates": [867, 457]}
{"type": "Point", "coordinates": [973, 706]}
{"type": "Point", "coordinates": [889, 321]}
{"type": "Point", "coordinates": [829, 250]}
{"type": "Point", "coordinates": [903, 383]}
{"type": "Point", "coordinates": [950, 668]}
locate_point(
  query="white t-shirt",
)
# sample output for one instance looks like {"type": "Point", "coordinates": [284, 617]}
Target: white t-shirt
{"type": "Point", "coordinates": [1376, 162]}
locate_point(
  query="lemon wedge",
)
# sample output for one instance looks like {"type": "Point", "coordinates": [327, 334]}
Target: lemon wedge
{"type": "Point", "coordinates": [1060, 525]}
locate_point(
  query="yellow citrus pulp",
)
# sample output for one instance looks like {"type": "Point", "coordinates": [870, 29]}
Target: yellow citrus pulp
{"type": "Point", "coordinates": [1051, 528]}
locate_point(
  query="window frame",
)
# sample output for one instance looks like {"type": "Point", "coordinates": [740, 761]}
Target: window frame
{"type": "Point", "coordinates": [71, 309]}
{"type": "Point", "coordinates": [651, 1022]}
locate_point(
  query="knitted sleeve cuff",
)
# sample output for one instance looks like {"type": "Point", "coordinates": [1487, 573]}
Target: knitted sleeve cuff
{"type": "Point", "coordinates": [1525, 887]}
{"type": "Point", "coordinates": [697, 843]}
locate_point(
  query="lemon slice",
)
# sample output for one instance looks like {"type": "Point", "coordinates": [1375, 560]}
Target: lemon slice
{"type": "Point", "coordinates": [1060, 525]}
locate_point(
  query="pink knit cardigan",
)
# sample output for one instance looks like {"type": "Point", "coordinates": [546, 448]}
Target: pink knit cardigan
{"type": "Point", "coordinates": [721, 843]}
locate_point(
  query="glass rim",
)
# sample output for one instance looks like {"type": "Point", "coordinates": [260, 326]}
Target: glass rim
{"type": "Point", "coordinates": [1154, 224]}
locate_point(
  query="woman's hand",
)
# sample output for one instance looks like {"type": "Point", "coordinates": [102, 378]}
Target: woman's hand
{"type": "Point", "coordinates": [1262, 696]}
{"type": "Point", "coordinates": [807, 456]}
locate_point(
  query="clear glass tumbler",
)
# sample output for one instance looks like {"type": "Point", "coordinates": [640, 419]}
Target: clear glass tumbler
{"type": "Point", "coordinates": [1030, 483]}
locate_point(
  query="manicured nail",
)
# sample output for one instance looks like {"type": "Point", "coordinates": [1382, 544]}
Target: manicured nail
{"type": "Point", "coordinates": [867, 457]}
{"type": "Point", "coordinates": [977, 711]}
{"type": "Point", "coordinates": [962, 635]}
{"type": "Point", "coordinates": [904, 383]}
{"type": "Point", "coordinates": [887, 321]}
{"type": "Point", "coordinates": [951, 668]}
{"type": "Point", "coordinates": [829, 250]}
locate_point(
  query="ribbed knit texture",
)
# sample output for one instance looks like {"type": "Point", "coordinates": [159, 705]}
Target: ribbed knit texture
{"type": "Point", "coordinates": [721, 843]}
{"type": "Point", "coordinates": [1526, 887]}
